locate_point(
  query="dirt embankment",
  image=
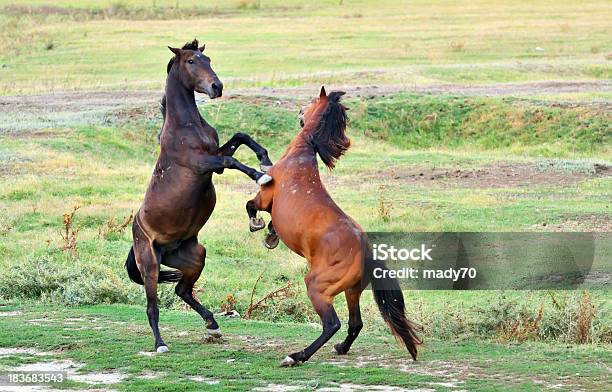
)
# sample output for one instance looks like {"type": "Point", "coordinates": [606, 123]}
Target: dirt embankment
{"type": "Point", "coordinates": [31, 112]}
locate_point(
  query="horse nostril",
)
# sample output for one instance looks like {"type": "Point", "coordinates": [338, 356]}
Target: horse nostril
{"type": "Point", "coordinates": [215, 87]}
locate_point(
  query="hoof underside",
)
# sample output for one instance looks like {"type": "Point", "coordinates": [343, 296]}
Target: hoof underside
{"type": "Point", "coordinates": [271, 241]}
{"type": "Point", "coordinates": [256, 224]}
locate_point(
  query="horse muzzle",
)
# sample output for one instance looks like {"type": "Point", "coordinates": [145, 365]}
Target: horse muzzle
{"type": "Point", "coordinates": [216, 89]}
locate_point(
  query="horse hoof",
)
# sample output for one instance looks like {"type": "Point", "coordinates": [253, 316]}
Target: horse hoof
{"type": "Point", "coordinates": [337, 350]}
{"type": "Point", "coordinates": [288, 362]}
{"type": "Point", "coordinates": [256, 224]}
{"type": "Point", "coordinates": [265, 168]}
{"type": "Point", "coordinates": [271, 241]}
{"type": "Point", "coordinates": [264, 179]}
{"type": "Point", "coordinates": [214, 333]}
{"type": "Point", "coordinates": [162, 349]}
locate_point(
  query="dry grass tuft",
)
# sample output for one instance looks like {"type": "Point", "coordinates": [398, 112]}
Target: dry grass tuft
{"type": "Point", "coordinates": [229, 305]}
{"type": "Point", "coordinates": [111, 227]}
{"type": "Point", "coordinates": [282, 293]}
{"type": "Point", "coordinates": [584, 321]}
{"type": "Point", "coordinates": [69, 236]}
{"type": "Point", "coordinates": [524, 327]}
{"type": "Point", "coordinates": [248, 4]}
{"type": "Point", "coordinates": [384, 208]}
{"type": "Point", "coordinates": [457, 46]}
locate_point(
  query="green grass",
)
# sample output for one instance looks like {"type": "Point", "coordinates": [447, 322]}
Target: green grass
{"type": "Point", "coordinates": [109, 339]}
{"type": "Point", "coordinates": [110, 45]}
{"type": "Point", "coordinates": [99, 156]}
{"type": "Point", "coordinates": [422, 121]}
{"type": "Point", "coordinates": [105, 170]}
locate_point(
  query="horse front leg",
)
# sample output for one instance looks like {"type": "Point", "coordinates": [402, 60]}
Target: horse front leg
{"type": "Point", "coordinates": [262, 202]}
{"type": "Point", "coordinates": [255, 223]}
{"type": "Point", "coordinates": [229, 148]}
{"type": "Point", "coordinates": [212, 163]}
{"type": "Point", "coordinates": [271, 240]}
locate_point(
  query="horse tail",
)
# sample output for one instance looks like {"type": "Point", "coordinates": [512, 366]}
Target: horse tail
{"type": "Point", "coordinates": [390, 300]}
{"type": "Point", "coordinates": [134, 272]}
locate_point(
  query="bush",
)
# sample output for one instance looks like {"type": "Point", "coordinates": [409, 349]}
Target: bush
{"type": "Point", "coordinates": [72, 284]}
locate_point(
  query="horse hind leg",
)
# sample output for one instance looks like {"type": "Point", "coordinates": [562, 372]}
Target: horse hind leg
{"type": "Point", "coordinates": [147, 260]}
{"type": "Point", "coordinates": [190, 258]}
{"type": "Point", "coordinates": [355, 324]}
{"type": "Point", "coordinates": [331, 324]}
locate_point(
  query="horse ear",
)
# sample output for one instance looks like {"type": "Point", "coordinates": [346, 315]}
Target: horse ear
{"type": "Point", "coordinates": [201, 48]}
{"type": "Point", "coordinates": [176, 51]}
{"type": "Point", "coordinates": [322, 93]}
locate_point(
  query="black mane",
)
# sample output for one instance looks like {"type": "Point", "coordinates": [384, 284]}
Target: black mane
{"type": "Point", "coordinates": [329, 139]}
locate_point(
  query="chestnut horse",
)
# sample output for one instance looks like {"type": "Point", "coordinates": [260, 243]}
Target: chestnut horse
{"type": "Point", "coordinates": [311, 224]}
{"type": "Point", "coordinates": [181, 196]}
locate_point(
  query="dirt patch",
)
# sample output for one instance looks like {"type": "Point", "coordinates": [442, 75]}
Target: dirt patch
{"type": "Point", "coordinates": [278, 388]}
{"type": "Point", "coordinates": [258, 344]}
{"type": "Point", "coordinates": [497, 89]}
{"type": "Point", "coordinates": [346, 387]}
{"type": "Point", "coordinates": [204, 380]}
{"type": "Point", "coordinates": [147, 353]}
{"type": "Point", "coordinates": [583, 223]}
{"type": "Point", "coordinates": [6, 351]}
{"type": "Point", "coordinates": [10, 313]}
{"type": "Point", "coordinates": [451, 374]}
{"type": "Point", "coordinates": [495, 176]}
{"type": "Point", "coordinates": [40, 134]}
{"type": "Point", "coordinates": [53, 366]}
{"type": "Point", "coordinates": [71, 368]}
{"type": "Point", "coordinates": [65, 109]}
{"type": "Point", "coordinates": [110, 377]}
{"type": "Point", "coordinates": [149, 375]}
{"type": "Point", "coordinates": [77, 101]}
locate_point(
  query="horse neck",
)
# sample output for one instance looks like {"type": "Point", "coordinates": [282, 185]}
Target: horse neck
{"type": "Point", "coordinates": [181, 108]}
{"type": "Point", "coordinates": [300, 148]}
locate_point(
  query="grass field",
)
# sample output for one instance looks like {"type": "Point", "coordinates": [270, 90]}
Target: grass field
{"type": "Point", "coordinates": [101, 162]}
{"type": "Point", "coordinates": [465, 116]}
{"type": "Point", "coordinates": [281, 43]}
{"type": "Point", "coordinates": [102, 347]}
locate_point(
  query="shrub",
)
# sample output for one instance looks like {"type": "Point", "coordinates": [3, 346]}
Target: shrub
{"type": "Point", "coordinates": [72, 284]}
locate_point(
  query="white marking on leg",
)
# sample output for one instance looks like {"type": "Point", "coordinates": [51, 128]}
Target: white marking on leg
{"type": "Point", "coordinates": [288, 361]}
{"type": "Point", "coordinates": [264, 179]}
{"type": "Point", "coordinates": [216, 333]}
{"type": "Point", "coordinates": [162, 349]}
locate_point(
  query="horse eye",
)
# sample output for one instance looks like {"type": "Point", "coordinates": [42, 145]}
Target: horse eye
{"type": "Point", "coordinates": [190, 61]}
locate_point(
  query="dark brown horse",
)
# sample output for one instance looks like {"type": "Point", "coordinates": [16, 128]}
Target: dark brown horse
{"type": "Point", "coordinates": [311, 224]}
{"type": "Point", "coordinates": [181, 196]}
